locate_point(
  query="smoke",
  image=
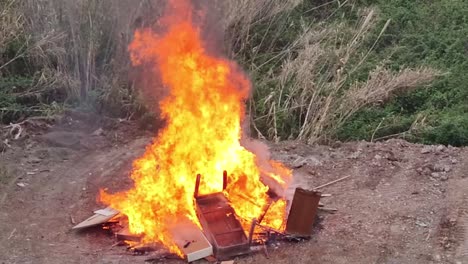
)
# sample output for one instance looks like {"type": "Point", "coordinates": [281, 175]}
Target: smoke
{"type": "Point", "coordinates": [265, 163]}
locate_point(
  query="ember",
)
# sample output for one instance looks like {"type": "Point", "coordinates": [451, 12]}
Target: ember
{"type": "Point", "coordinates": [203, 110]}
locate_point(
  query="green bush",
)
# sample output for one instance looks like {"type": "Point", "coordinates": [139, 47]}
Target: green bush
{"type": "Point", "coordinates": [432, 33]}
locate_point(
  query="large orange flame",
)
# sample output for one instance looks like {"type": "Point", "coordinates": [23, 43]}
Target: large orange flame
{"type": "Point", "coordinates": [203, 112]}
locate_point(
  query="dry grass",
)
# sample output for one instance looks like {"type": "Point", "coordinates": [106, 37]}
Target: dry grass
{"type": "Point", "coordinates": [313, 94]}
{"type": "Point", "coordinates": [12, 26]}
{"type": "Point", "coordinates": [90, 40]}
{"type": "Point", "coordinates": [305, 91]}
{"type": "Point", "coordinates": [77, 48]}
{"type": "Point", "coordinates": [240, 16]}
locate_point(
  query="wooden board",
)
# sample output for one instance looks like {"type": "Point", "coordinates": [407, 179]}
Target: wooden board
{"type": "Point", "coordinates": [190, 239]}
{"type": "Point", "coordinates": [125, 234]}
{"type": "Point", "coordinates": [221, 226]}
{"type": "Point", "coordinates": [100, 217]}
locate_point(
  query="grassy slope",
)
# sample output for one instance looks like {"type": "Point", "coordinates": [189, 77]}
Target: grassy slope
{"type": "Point", "coordinates": [433, 33]}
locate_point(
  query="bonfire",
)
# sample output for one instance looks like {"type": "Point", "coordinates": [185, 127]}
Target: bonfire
{"type": "Point", "coordinates": [203, 111]}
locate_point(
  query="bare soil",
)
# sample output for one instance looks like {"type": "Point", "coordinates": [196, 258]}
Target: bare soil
{"type": "Point", "coordinates": [404, 203]}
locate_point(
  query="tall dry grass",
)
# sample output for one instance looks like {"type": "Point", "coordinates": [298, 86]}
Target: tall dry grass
{"type": "Point", "coordinates": [305, 90]}
{"type": "Point", "coordinates": [313, 92]}
{"type": "Point", "coordinates": [240, 17]}
{"type": "Point", "coordinates": [76, 48]}
{"type": "Point", "coordinates": [89, 52]}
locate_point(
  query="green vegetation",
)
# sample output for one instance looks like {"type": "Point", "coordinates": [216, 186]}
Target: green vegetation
{"type": "Point", "coordinates": [431, 33]}
{"type": "Point", "coordinates": [322, 70]}
{"type": "Point", "coordinates": [314, 68]}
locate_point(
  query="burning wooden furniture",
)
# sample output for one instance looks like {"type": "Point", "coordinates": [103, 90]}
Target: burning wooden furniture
{"type": "Point", "coordinates": [100, 217]}
{"type": "Point", "coordinates": [222, 234]}
{"type": "Point", "coordinates": [220, 224]}
{"type": "Point", "coordinates": [192, 242]}
{"type": "Point", "coordinates": [303, 211]}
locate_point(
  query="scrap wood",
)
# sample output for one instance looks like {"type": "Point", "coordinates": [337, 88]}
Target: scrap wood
{"type": "Point", "coordinates": [142, 249]}
{"type": "Point", "coordinates": [265, 250]}
{"type": "Point", "coordinates": [245, 197]}
{"type": "Point", "coordinates": [332, 182]}
{"type": "Point", "coordinates": [191, 241]}
{"type": "Point", "coordinates": [72, 220]}
{"type": "Point", "coordinates": [163, 256]}
{"type": "Point", "coordinates": [125, 235]}
{"type": "Point", "coordinates": [331, 210]}
{"type": "Point", "coordinates": [100, 217]}
{"type": "Point", "coordinates": [265, 210]}
{"type": "Point", "coordinates": [118, 244]}
{"type": "Point", "coordinates": [11, 234]}
{"type": "Point", "coordinates": [269, 229]}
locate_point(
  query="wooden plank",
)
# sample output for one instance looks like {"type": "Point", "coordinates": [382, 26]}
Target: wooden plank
{"type": "Point", "coordinates": [100, 217]}
{"type": "Point", "coordinates": [125, 235]}
{"type": "Point", "coordinates": [220, 225]}
{"type": "Point", "coordinates": [191, 241]}
{"type": "Point", "coordinates": [332, 182]}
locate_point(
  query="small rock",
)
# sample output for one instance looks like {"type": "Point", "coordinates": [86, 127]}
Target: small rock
{"type": "Point", "coordinates": [435, 175]}
{"type": "Point", "coordinates": [34, 160]}
{"type": "Point", "coordinates": [454, 161]}
{"type": "Point", "coordinates": [438, 168]}
{"type": "Point", "coordinates": [377, 157]}
{"type": "Point", "coordinates": [426, 149]}
{"type": "Point", "coordinates": [356, 154]}
{"type": "Point", "coordinates": [21, 184]}
{"type": "Point", "coordinates": [392, 157]}
{"type": "Point", "coordinates": [426, 171]}
{"type": "Point", "coordinates": [313, 161]}
{"type": "Point", "coordinates": [299, 163]}
{"type": "Point", "coordinates": [98, 132]}
{"type": "Point", "coordinates": [447, 168]}
{"type": "Point", "coordinates": [444, 177]}
{"type": "Point", "coordinates": [440, 148]}
{"type": "Point", "coordinates": [420, 223]}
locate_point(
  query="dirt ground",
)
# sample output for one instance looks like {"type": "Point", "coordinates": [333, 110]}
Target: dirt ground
{"type": "Point", "coordinates": [404, 203]}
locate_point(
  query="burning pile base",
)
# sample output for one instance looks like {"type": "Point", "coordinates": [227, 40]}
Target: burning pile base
{"type": "Point", "coordinates": [222, 236]}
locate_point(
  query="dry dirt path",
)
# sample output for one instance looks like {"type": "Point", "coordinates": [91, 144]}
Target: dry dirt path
{"type": "Point", "coordinates": [404, 203]}
{"type": "Point", "coordinates": [58, 188]}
